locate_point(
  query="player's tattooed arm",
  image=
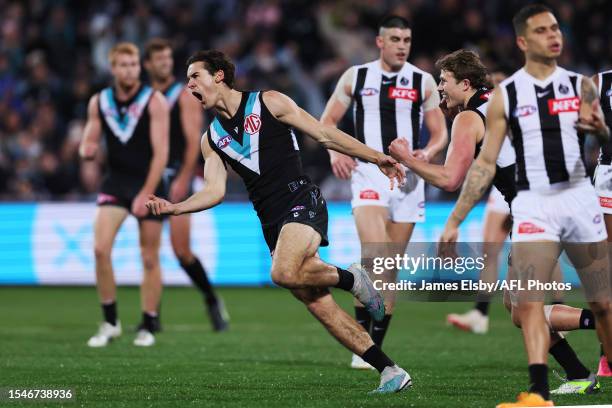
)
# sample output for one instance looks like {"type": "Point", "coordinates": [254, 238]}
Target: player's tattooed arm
{"type": "Point", "coordinates": [478, 179]}
{"type": "Point", "coordinates": [591, 118]}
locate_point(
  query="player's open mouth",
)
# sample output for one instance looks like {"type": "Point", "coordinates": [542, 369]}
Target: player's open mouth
{"type": "Point", "coordinates": [555, 47]}
{"type": "Point", "coordinates": [198, 95]}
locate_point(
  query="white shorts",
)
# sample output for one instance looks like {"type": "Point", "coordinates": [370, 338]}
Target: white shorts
{"type": "Point", "coordinates": [568, 215]}
{"type": "Point", "coordinates": [370, 186]}
{"type": "Point", "coordinates": [497, 203]}
{"type": "Point", "coordinates": [603, 186]}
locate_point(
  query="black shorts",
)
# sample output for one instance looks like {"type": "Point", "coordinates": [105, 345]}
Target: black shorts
{"type": "Point", "coordinates": [170, 174]}
{"type": "Point", "coordinates": [121, 190]}
{"type": "Point", "coordinates": [307, 208]}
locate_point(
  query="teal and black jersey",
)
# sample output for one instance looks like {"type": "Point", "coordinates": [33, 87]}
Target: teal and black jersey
{"type": "Point", "coordinates": [264, 152]}
{"type": "Point", "coordinates": [177, 135]}
{"type": "Point", "coordinates": [126, 127]}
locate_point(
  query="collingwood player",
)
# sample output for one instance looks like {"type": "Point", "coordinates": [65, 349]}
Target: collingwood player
{"type": "Point", "coordinates": [134, 119]}
{"type": "Point", "coordinates": [391, 98]}
{"type": "Point", "coordinates": [185, 130]}
{"type": "Point", "coordinates": [545, 108]}
{"type": "Point", "coordinates": [465, 87]}
{"type": "Point", "coordinates": [252, 133]}
{"type": "Point", "coordinates": [603, 176]}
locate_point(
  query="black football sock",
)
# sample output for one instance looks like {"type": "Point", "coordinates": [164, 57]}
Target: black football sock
{"type": "Point", "coordinates": [587, 320]}
{"type": "Point", "coordinates": [363, 317]}
{"type": "Point", "coordinates": [483, 307]}
{"type": "Point", "coordinates": [538, 380]}
{"type": "Point", "coordinates": [346, 280]}
{"type": "Point", "coordinates": [379, 329]}
{"type": "Point", "coordinates": [110, 313]}
{"type": "Point", "coordinates": [567, 358]}
{"type": "Point", "coordinates": [377, 359]}
{"type": "Point", "coordinates": [198, 276]}
{"type": "Point", "coordinates": [150, 322]}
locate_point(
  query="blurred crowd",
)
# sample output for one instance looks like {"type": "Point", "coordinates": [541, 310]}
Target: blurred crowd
{"type": "Point", "coordinates": [53, 57]}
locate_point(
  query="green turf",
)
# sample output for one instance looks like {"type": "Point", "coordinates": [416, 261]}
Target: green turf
{"type": "Point", "coordinates": [275, 355]}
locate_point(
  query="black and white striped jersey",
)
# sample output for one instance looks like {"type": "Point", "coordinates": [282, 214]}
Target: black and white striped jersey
{"type": "Point", "coordinates": [388, 105]}
{"type": "Point", "coordinates": [541, 116]}
{"type": "Point", "coordinates": [605, 98]}
{"type": "Point", "coordinates": [505, 164]}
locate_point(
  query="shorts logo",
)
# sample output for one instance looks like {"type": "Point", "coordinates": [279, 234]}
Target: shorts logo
{"type": "Point", "coordinates": [298, 208]}
{"type": "Point", "coordinates": [529, 228]}
{"type": "Point", "coordinates": [557, 106]}
{"type": "Point", "coordinates": [106, 199]}
{"type": "Point", "coordinates": [368, 92]}
{"type": "Point", "coordinates": [403, 93]}
{"type": "Point", "coordinates": [564, 89]}
{"type": "Point", "coordinates": [369, 195]}
{"type": "Point", "coordinates": [252, 123]}
{"type": "Point", "coordinates": [605, 202]}
{"type": "Point", "coordinates": [296, 214]}
{"type": "Point", "coordinates": [597, 219]}
{"type": "Point", "coordinates": [525, 110]}
{"type": "Point", "coordinates": [421, 204]}
{"type": "Point", "coordinates": [311, 214]}
{"type": "Point", "coordinates": [224, 141]}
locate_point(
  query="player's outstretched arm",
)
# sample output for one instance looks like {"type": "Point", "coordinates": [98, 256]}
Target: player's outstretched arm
{"type": "Point", "coordinates": [482, 171]}
{"type": "Point", "coordinates": [92, 132]}
{"type": "Point", "coordinates": [287, 111]}
{"type": "Point", "coordinates": [467, 129]}
{"type": "Point", "coordinates": [215, 178]}
{"type": "Point", "coordinates": [591, 118]}
{"type": "Point", "coordinates": [341, 164]}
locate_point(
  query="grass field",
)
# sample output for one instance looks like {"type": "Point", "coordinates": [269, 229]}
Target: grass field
{"type": "Point", "coordinates": [275, 355]}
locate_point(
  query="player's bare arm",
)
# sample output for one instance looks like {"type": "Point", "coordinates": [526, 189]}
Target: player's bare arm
{"type": "Point", "coordinates": [482, 171]}
{"type": "Point", "coordinates": [287, 111]}
{"type": "Point", "coordinates": [435, 123]}
{"type": "Point", "coordinates": [159, 134]}
{"type": "Point", "coordinates": [591, 119]}
{"type": "Point", "coordinates": [341, 164]}
{"type": "Point", "coordinates": [215, 178]}
{"type": "Point", "coordinates": [467, 127]}
{"type": "Point", "coordinates": [92, 132]}
{"type": "Point", "coordinates": [191, 122]}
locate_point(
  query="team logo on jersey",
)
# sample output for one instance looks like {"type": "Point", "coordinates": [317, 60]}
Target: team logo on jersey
{"type": "Point", "coordinates": [557, 106]}
{"type": "Point", "coordinates": [529, 228]}
{"type": "Point", "coordinates": [404, 81]}
{"type": "Point", "coordinates": [597, 219]}
{"type": "Point", "coordinates": [403, 93]}
{"type": "Point", "coordinates": [564, 89]}
{"type": "Point", "coordinates": [252, 123]}
{"type": "Point", "coordinates": [224, 141]}
{"type": "Point", "coordinates": [369, 195]}
{"type": "Point", "coordinates": [525, 110]}
{"type": "Point", "coordinates": [368, 92]}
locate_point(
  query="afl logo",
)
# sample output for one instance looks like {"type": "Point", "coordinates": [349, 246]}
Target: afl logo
{"type": "Point", "coordinates": [252, 123]}
{"type": "Point", "coordinates": [368, 92]}
{"type": "Point", "coordinates": [523, 111]}
{"type": "Point", "coordinates": [224, 141]}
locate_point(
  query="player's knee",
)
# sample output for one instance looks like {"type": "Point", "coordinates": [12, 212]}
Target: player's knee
{"type": "Point", "coordinates": [184, 255]}
{"type": "Point", "coordinates": [516, 318]}
{"type": "Point", "coordinates": [150, 259]}
{"type": "Point", "coordinates": [102, 252]}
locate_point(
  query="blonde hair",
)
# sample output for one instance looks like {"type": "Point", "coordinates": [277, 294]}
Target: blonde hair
{"type": "Point", "coordinates": [122, 48]}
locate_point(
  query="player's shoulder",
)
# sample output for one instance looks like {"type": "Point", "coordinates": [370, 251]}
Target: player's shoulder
{"type": "Point", "coordinates": [517, 75]}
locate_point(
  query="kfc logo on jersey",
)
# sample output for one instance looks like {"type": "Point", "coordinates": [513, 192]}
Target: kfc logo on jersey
{"type": "Point", "coordinates": [224, 141]}
{"type": "Point", "coordinates": [252, 123]}
{"type": "Point", "coordinates": [368, 92]}
{"type": "Point", "coordinates": [369, 195]}
{"type": "Point", "coordinates": [605, 202]}
{"type": "Point", "coordinates": [529, 228]}
{"type": "Point", "coordinates": [403, 93]}
{"type": "Point", "coordinates": [485, 96]}
{"type": "Point", "coordinates": [557, 106]}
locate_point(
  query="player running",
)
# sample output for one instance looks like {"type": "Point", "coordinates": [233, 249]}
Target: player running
{"type": "Point", "coordinates": [252, 133]}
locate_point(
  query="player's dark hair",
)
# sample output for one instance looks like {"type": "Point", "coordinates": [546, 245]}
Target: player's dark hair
{"type": "Point", "coordinates": [393, 21]}
{"type": "Point", "coordinates": [215, 61]}
{"type": "Point", "coordinates": [465, 64]}
{"type": "Point", "coordinates": [154, 45]}
{"type": "Point", "coordinates": [519, 21]}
